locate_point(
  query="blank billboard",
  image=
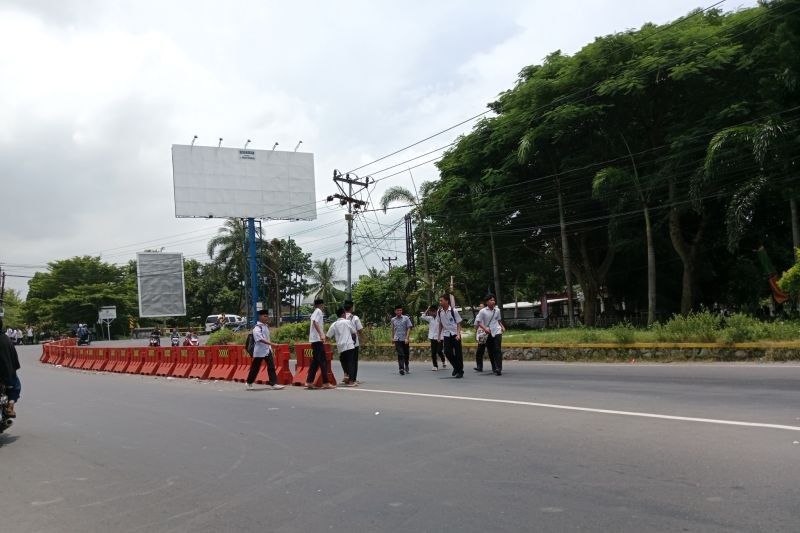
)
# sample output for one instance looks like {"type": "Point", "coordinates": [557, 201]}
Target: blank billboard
{"type": "Point", "coordinates": [161, 290]}
{"type": "Point", "coordinates": [213, 182]}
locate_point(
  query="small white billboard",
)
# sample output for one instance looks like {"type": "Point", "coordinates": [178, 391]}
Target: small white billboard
{"type": "Point", "coordinates": [161, 289]}
{"type": "Point", "coordinates": [212, 182]}
{"type": "Point", "coordinates": [107, 312]}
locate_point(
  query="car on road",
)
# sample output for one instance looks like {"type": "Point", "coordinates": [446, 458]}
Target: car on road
{"type": "Point", "coordinates": [233, 321]}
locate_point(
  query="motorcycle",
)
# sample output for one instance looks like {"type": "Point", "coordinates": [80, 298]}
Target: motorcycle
{"type": "Point", "coordinates": [155, 339]}
{"type": "Point", "coordinates": [83, 337]}
{"type": "Point", "coordinates": [191, 340]}
{"type": "Point", "coordinates": [5, 421]}
{"type": "Point", "coordinates": [175, 340]}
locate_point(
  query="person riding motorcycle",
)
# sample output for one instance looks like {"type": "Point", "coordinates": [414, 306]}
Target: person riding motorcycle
{"type": "Point", "coordinates": [191, 339]}
{"type": "Point", "coordinates": [9, 379]}
{"type": "Point", "coordinates": [83, 335]}
{"type": "Point", "coordinates": [155, 337]}
{"type": "Point", "coordinates": [175, 338]}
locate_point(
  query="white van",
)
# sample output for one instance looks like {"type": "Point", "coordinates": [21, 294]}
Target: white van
{"type": "Point", "coordinates": [230, 319]}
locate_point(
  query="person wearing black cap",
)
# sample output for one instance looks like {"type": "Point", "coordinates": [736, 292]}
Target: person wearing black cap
{"type": "Point", "coordinates": [262, 351]}
{"type": "Point", "coordinates": [316, 336]}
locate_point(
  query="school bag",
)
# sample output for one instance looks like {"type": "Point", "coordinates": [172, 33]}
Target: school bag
{"type": "Point", "coordinates": [250, 344]}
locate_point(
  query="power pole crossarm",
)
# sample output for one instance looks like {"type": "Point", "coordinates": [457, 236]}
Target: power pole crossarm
{"type": "Point", "coordinates": [354, 186]}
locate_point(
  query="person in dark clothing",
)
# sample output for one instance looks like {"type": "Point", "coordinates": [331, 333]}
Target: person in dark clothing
{"type": "Point", "coordinates": [9, 364]}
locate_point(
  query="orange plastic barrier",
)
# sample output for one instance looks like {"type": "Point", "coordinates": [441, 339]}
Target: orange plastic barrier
{"type": "Point", "coordinates": [71, 356]}
{"type": "Point", "coordinates": [135, 358]}
{"type": "Point", "coordinates": [152, 358]}
{"type": "Point", "coordinates": [243, 368]}
{"type": "Point", "coordinates": [185, 359]}
{"type": "Point", "coordinates": [122, 359]}
{"type": "Point", "coordinates": [112, 356]}
{"type": "Point", "coordinates": [100, 359]}
{"type": "Point", "coordinates": [303, 354]}
{"type": "Point", "coordinates": [201, 367]}
{"type": "Point", "coordinates": [167, 362]}
{"type": "Point", "coordinates": [225, 362]}
{"type": "Point", "coordinates": [282, 356]}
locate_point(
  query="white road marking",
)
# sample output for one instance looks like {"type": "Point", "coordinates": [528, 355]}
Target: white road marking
{"type": "Point", "coordinates": [585, 409]}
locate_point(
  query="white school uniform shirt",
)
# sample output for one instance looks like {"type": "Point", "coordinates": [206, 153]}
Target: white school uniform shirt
{"type": "Point", "coordinates": [433, 326]}
{"type": "Point", "coordinates": [261, 332]}
{"type": "Point", "coordinates": [319, 318]}
{"type": "Point", "coordinates": [490, 319]}
{"type": "Point", "coordinates": [342, 330]}
{"type": "Point", "coordinates": [449, 320]}
{"type": "Point", "coordinates": [357, 325]}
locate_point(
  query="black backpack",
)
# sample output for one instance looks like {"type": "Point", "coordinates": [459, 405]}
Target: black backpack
{"type": "Point", "coordinates": [250, 344]}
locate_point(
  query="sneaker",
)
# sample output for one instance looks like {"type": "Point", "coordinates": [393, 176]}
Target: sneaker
{"type": "Point", "coordinates": [435, 369]}
{"type": "Point", "coordinates": [402, 372]}
{"type": "Point", "coordinates": [10, 413]}
{"type": "Point", "coordinates": [249, 386]}
{"type": "Point", "coordinates": [460, 375]}
{"type": "Point", "coordinates": [455, 372]}
{"type": "Point", "coordinates": [328, 386]}
{"type": "Point", "coordinates": [277, 387]}
{"type": "Point", "coordinates": [310, 386]}
{"type": "Point", "coordinates": [476, 369]}
{"type": "Point", "coordinates": [408, 370]}
{"type": "Point", "coordinates": [498, 373]}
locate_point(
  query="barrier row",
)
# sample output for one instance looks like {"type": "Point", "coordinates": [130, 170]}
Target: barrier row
{"type": "Point", "coordinates": [227, 363]}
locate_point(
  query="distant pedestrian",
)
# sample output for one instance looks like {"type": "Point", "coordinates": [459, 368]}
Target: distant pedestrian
{"type": "Point", "coordinates": [344, 333]}
{"type": "Point", "coordinates": [316, 337]}
{"type": "Point", "coordinates": [18, 336]}
{"type": "Point", "coordinates": [490, 321]}
{"type": "Point", "coordinates": [401, 332]}
{"type": "Point", "coordinates": [352, 371]}
{"type": "Point", "coordinates": [29, 334]}
{"type": "Point", "coordinates": [262, 351]}
{"type": "Point", "coordinates": [429, 316]}
{"type": "Point", "coordinates": [450, 333]}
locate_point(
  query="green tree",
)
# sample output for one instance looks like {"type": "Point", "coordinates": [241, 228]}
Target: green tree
{"type": "Point", "coordinates": [324, 282]}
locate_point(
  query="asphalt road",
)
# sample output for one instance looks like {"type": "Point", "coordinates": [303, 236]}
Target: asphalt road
{"type": "Point", "coordinates": [545, 447]}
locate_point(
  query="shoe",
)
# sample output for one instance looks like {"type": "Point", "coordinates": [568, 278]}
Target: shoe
{"type": "Point", "coordinates": [444, 365]}
{"type": "Point", "coordinates": [402, 372]}
{"type": "Point", "coordinates": [310, 386]}
{"type": "Point", "coordinates": [249, 386]}
{"type": "Point", "coordinates": [498, 373]}
{"type": "Point", "coordinates": [408, 371]}
{"type": "Point", "coordinates": [10, 413]}
{"type": "Point", "coordinates": [476, 369]}
{"type": "Point", "coordinates": [328, 386]}
{"type": "Point", "coordinates": [277, 387]}
{"type": "Point", "coordinates": [435, 369]}
{"type": "Point", "coordinates": [346, 380]}
{"type": "Point", "coordinates": [460, 375]}
{"type": "Point", "coordinates": [455, 372]}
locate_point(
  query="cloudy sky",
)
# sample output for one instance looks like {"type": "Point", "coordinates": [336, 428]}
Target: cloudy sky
{"type": "Point", "coordinates": [94, 92]}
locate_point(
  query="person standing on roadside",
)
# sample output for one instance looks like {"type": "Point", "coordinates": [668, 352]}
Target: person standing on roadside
{"type": "Point", "coordinates": [352, 370]}
{"type": "Point", "coordinates": [344, 333]}
{"type": "Point", "coordinates": [30, 335]}
{"type": "Point", "coordinates": [9, 365]}
{"type": "Point", "coordinates": [480, 338]}
{"type": "Point", "coordinates": [401, 332]}
{"type": "Point", "coordinates": [490, 321]}
{"type": "Point", "coordinates": [429, 316]}
{"type": "Point", "coordinates": [450, 334]}
{"type": "Point", "coordinates": [262, 351]}
{"type": "Point", "coordinates": [316, 337]}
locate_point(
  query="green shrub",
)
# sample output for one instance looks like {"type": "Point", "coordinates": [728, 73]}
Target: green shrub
{"type": "Point", "coordinates": [291, 333]}
{"type": "Point", "coordinates": [226, 336]}
{"type": "Point", "coordinates": [588, 335]}
{"type": "Point", "coordinates": [623, 333]}
{"type": "Point", "coordinates": [742, 328]}
{"type": "Point", "coordinates": [694, 327]}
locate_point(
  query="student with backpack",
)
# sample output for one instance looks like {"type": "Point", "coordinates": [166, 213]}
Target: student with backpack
{"type": "Point", "coordinates": [490, 322]}
{"type": "Point", "coordinates": [450, 334]}
{"type": "Point", "coordinates": [259, 345]}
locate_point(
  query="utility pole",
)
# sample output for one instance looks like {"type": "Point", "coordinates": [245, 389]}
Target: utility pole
{"type": "Point", "coordinates": [411, 265]}
{"type": "Point", "coordinates": [353, 204]}
{"type": "Point", "coordinates": [388, 260]}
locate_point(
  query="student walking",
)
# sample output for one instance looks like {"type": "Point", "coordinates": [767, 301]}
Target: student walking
{"type": "Point", "coordinates": [450, 333]}
{"type": "Point", "coordinates": [489, 321]}
{"type": "Point", "coordinates": [262, 351]}
{"type": "Point", "coordinates": [316, 337]}
{"type": "Point", "coordinates": [429, 316]}
{"type": "Point", "coordinates": [351, 374]}
{"type": "Point", "coordinates": [480, 338]}
{"type": "Point", "coordinates": [344, 333]}
{"type": "Point", "coordinates": [401, 331]}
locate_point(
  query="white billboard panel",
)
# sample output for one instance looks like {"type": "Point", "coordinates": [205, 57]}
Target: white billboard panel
{"type": "Point", "coordinates": [213, 182]}
{"type": "Point", "coordinates": [161, 289]}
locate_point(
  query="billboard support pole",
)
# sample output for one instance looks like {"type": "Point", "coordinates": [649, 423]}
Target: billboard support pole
{"type": "Point", "coordinates": [251, 236]}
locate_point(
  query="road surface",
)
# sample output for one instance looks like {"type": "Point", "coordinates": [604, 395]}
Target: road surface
{"type": "Point", "coordinates": [545, 447]}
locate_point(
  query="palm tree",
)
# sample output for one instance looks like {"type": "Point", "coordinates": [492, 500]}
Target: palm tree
{"type": "Point", "coordinates": [227, 250]}
{"type": "Point", "coordinates": [401, 194]}
{"type": "Point", "coordinates": [324, 282]}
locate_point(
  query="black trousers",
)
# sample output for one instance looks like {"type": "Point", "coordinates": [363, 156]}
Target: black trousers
{"type": "Point", "coordinates": [255, 366]}
{"type": "Point", "coordinates": [494, 345]}
{"type": "Point", "coordinates": [452, 350]}
{"type": "Point", "coordinates": [403, 354]}
{"type": "Point", "coordinates": [436, 349]}
{"type": "Point", "coordinates": [479, 356]}
{"type": "Point", "coordinates": [353, 374]}
{"type": "Point", "coordinates": [319, 361]}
